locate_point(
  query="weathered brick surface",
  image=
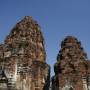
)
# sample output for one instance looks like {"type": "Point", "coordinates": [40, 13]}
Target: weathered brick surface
{"type": "Point", "coordinates": [72, 68]}
{"type": "Point", "coordinates": [24, 58]}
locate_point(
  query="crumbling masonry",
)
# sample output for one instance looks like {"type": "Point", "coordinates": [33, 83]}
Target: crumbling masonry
{"type": "Point", "coordinates": [23, 58]}
{"type": "Point", "coordinates": [23, 61]}
{"type": "Point", "coordinates": [72, 69]}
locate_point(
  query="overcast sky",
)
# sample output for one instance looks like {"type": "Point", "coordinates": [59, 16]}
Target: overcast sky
{"type": "Point", "coordinates": [57, 18]}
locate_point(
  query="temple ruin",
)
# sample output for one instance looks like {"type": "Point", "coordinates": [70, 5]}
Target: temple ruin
{"type": "Point", "coordinates": [23, 58]}
{"type": "Point", "coordinates": [72, 69]}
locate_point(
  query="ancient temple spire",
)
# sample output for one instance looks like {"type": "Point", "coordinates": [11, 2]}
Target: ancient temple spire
{"type": "Point", "coordinates": [24, 57]}
{"type": "Point", "coordinates": [72, 65]}
{"type": "Point", "coordinates": [27, 35]}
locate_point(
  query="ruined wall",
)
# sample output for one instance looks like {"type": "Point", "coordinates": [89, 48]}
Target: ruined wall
{"type": "Point", "coordinates": [72, 69]}
{"type": "Point", "coordinates": [25, 58]}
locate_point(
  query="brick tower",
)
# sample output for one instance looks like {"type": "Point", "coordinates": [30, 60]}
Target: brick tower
{"type": "Point", "coordinates": [24, 58]}
{"type": "Point", "coordinates": [72, 69]}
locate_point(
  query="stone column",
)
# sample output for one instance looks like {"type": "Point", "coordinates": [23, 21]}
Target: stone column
{"type": "Point", "coordinates": [89, 83]}
{"type": "Point", "coordinates": [85, 87]}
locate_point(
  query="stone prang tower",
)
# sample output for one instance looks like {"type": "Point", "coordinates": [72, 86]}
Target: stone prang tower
{"type": "Point", "coordinates": [72, 69]}
{"type": "Point", "coordinates": [23, 58]}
